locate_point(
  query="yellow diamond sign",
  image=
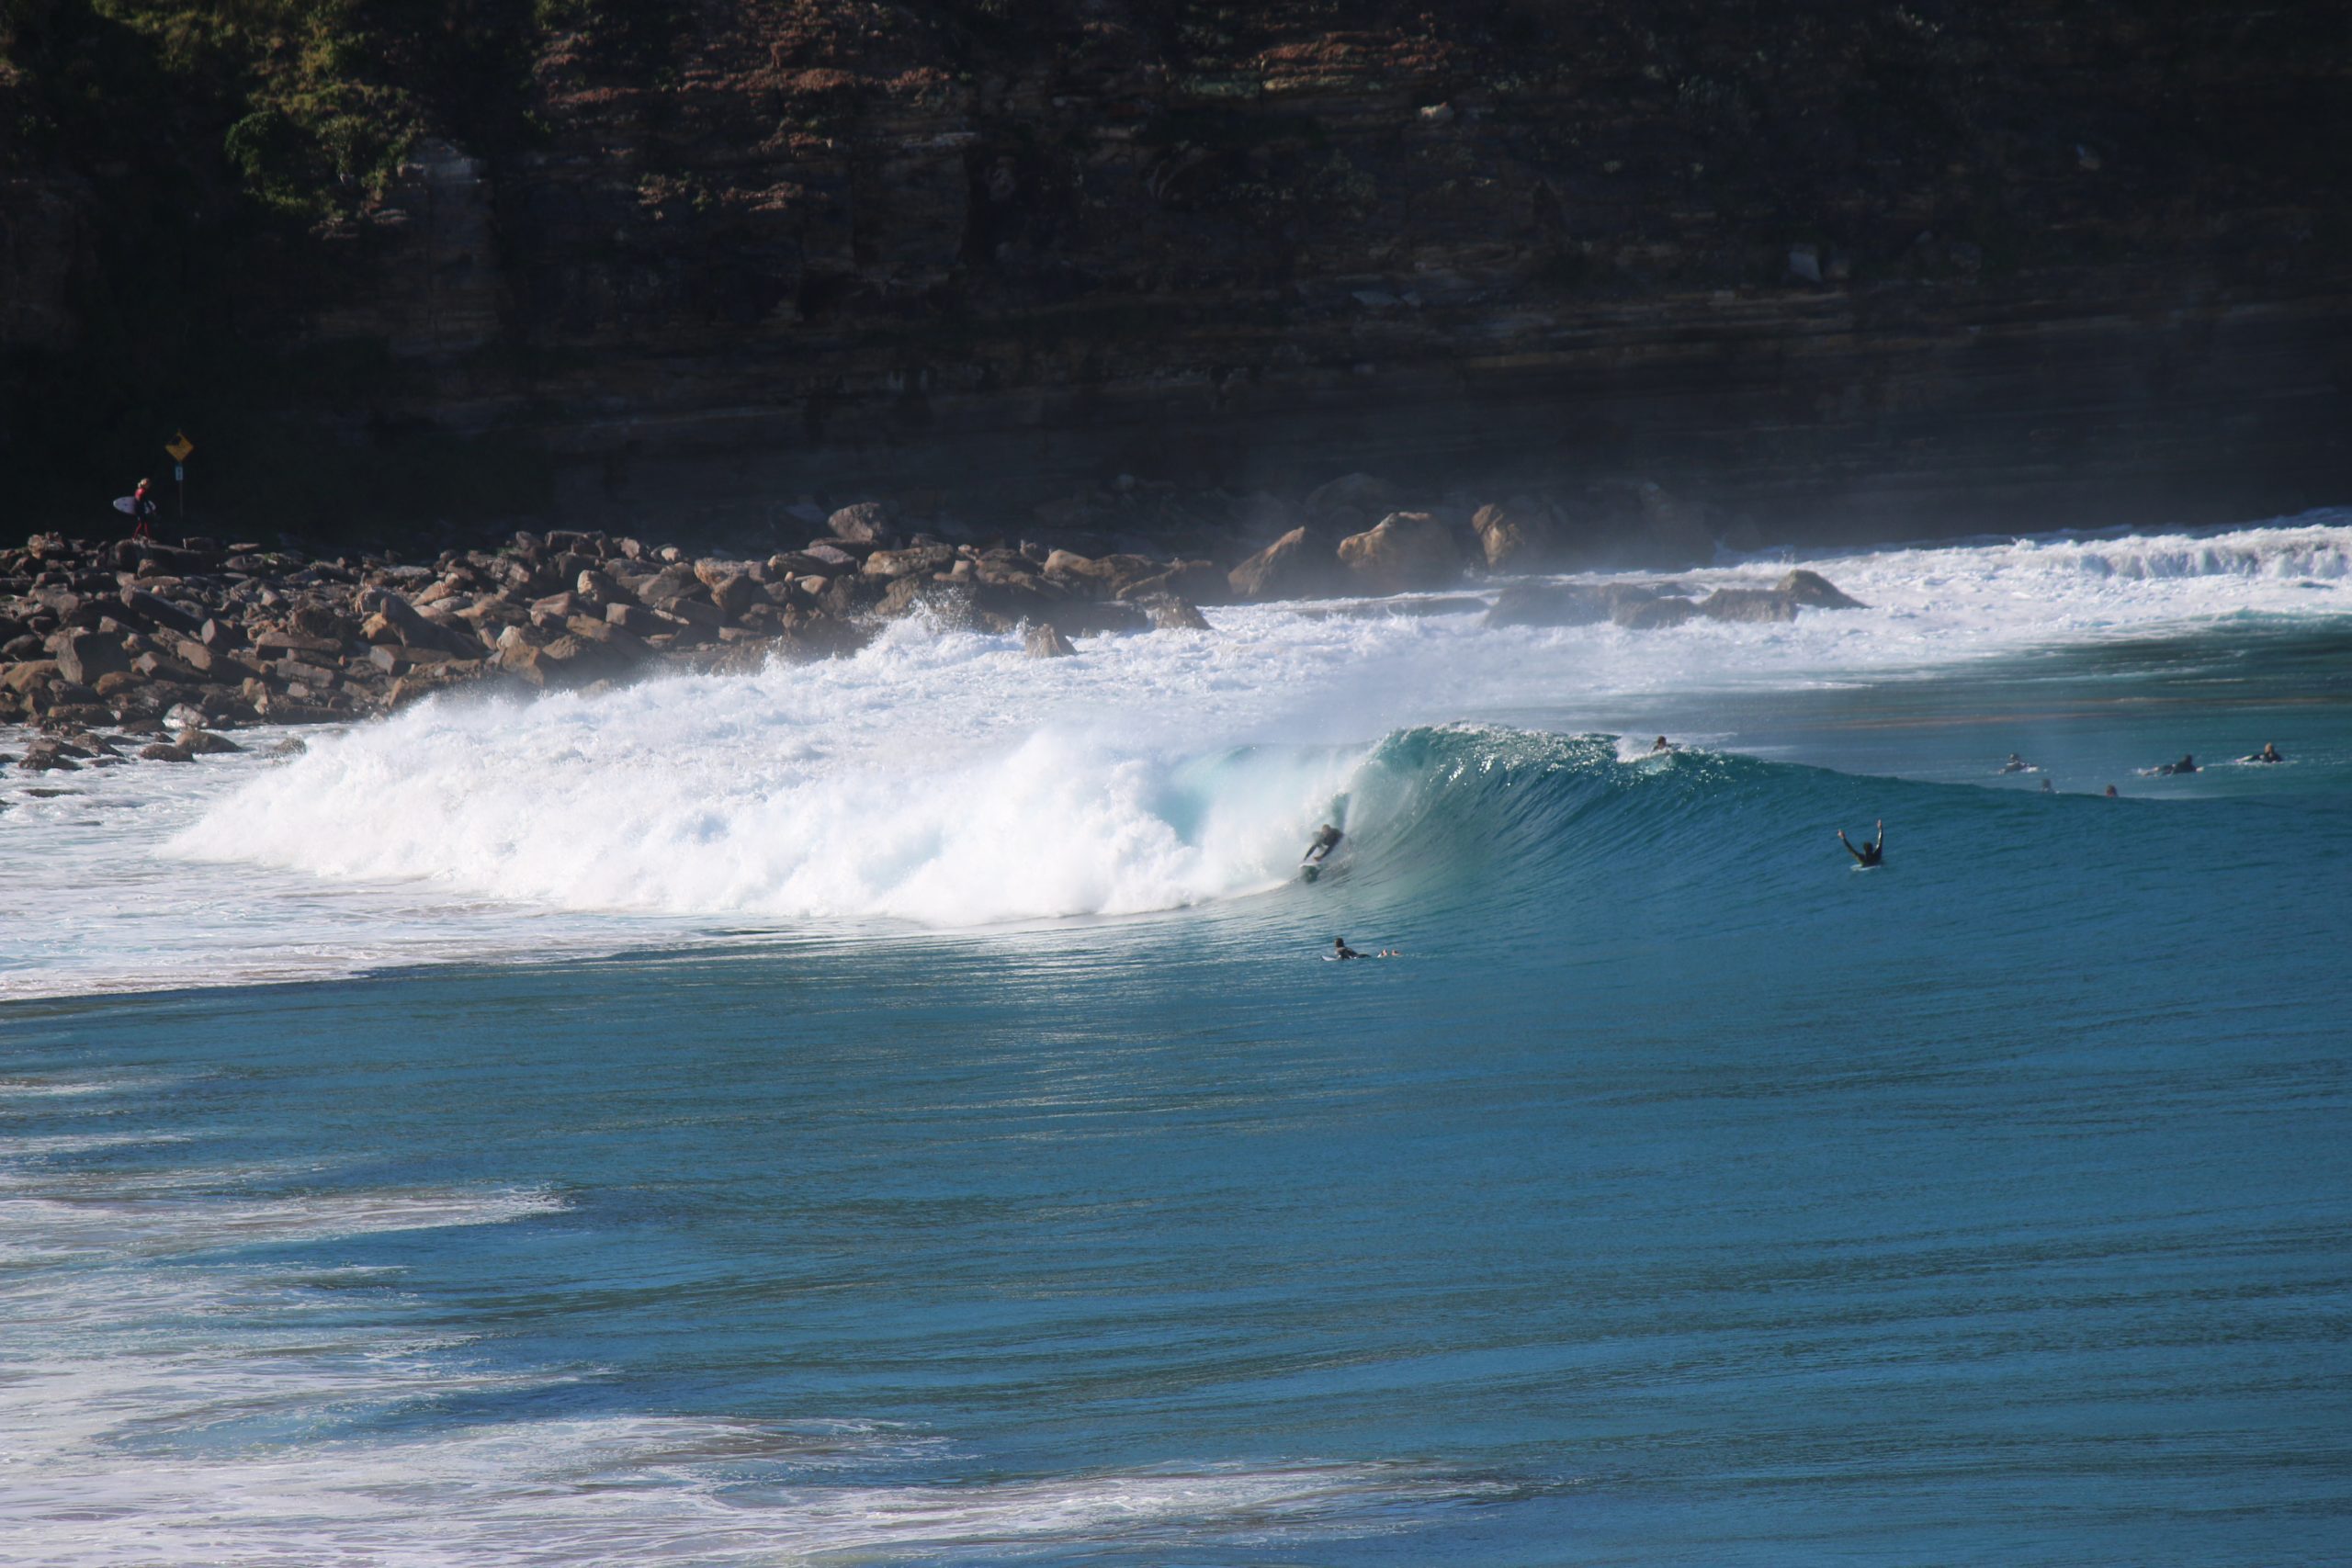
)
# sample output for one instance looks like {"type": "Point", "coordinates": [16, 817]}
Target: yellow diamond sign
{"type": "Point", "coordinates": [179, 446]}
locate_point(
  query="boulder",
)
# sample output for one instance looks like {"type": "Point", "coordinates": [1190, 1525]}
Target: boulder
{"type": "Point", "coordinates": [28, 675]}
{"type": "Point", "coordinates": [165, 752]}
{"type": "Point", "coordinates": [952, 606]}
{"type": "Point", "coordinates": [1564, 604]}
{"type": "Point", "coordinates": [1170, 614]}
{"type": "Point", "coordinates": [734, 594]}
{"type": "Point", "coordinates": [1517, 536]}
{"type": "Point", "coordinates": [867, 523]}
{"type": "Point", "coordinates": [1405, 552]}
{"type": "Point", "coordinates": [1294, 567]}
{"type": "Point", "coordinates": [1045, 642]}
{"type": "Point", "coordinates": [669, 586]}
{"type": "Point", "coordinates": [1814, 592]}
{"type": "Point", "coordinates": [82, 656]}
{"type": "Point", "coordinates": [915, 559]}
{"type": "Point", "coordinates": [412, 627]}
{"type": "Point", "coordinates": [636, 620]}
{"type": "Point", "coordinates": [1748, 605]}
{"type": "Point", "coordinates": [204, 743]}
{"type": "Point", "coordinates": [159, 612]}
{"type": "Point", "coordinates": [1651, 614]}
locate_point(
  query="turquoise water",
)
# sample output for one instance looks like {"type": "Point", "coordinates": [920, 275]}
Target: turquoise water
{"type": "Point", "coordinates": [1681, 1196]}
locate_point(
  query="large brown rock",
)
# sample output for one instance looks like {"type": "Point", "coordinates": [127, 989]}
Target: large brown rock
{"type": "Point", "coordinates": [915, 559]}
{"type": "Point", "coordinates": [1516, 535]}
{"type": "Point", "coordinates": [1652, 614]}
{"type": "Point", "coordinates": [1567, 604]}
{"type": "Point", "coordinates": [1748, 605]}
{"type": "Point", "coordinates": [1045, 642]}
{"type": "Point", "coordinates": [82, 656]}
{"type": "Point", "coordinates": [867, 522]}
{"type": "Point", "coordinates": [1406, 551]}
{"type": "Point", "coordinates": [1815, 591]}
{"type": "Point", "coordinates": [412, 627]}
{"type": "Point", "coordinates": [1297, 566]}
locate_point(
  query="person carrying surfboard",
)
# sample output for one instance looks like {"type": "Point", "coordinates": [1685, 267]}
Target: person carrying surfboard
{"type": "Point", "coordinates": [142, 512]}
{"type": "Point", "coordinates": [1867, 854]}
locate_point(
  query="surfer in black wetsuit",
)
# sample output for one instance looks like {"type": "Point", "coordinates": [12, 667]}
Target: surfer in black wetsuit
{"type": "Point", "coordinates": [1868, 854]}
{"type": "Point", "coordinates": [2016, 764]}
{"type": "Point", "coordinates": [1327, 839]}
{"type": "Point", "coordinates": [2269, 753]}
{"type": "Point", "coordinates": [1660, 745]}
{"type": "Point", "coordinates": [2188, 764]}
{"type": "Point", "coordinates": [1339, 949]}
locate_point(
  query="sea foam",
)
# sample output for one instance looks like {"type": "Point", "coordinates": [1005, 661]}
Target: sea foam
{"type": "Point", "coordinates": [942, 780]}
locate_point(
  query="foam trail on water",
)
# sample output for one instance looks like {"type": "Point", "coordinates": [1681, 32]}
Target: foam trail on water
{"type": "Point", "coordinates": [163, 1401]}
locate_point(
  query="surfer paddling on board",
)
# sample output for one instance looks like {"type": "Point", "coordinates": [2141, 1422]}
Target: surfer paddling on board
{"type": "Point", "coordinates": [1339, 949]}
{"type": "Point", "coordinates": [1866, 854]}
{"type": "Point", "coordinates": [2269, 753]}
{"type": "Point", "coordinates": [1660, 744]}
{"type": "Point", "coordinates": [2017, 764]}
{"type": "Point", "coordinates": [1327, 839]}
{"type": "Point", "coordinates": [2188, 764]}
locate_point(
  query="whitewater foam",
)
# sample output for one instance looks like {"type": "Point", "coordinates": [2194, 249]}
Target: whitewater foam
{"type": "Point", "coordinates": [943, 779]}
{"type": "Point", "coordinates": [164, 1400]}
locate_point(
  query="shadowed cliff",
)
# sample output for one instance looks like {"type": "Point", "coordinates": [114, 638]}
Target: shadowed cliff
{"type": "Point", "coordinates": [1834, 269]}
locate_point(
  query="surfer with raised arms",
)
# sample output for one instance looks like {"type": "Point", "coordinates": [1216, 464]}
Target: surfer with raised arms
{"type": "Point", "coordinates": [1866, 854]}
{"type": "Point", "coordinates": [1327, 839]}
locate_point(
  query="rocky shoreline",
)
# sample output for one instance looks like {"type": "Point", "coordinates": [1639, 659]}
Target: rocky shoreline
{"type": "Point", "coordinates": [110, 651]}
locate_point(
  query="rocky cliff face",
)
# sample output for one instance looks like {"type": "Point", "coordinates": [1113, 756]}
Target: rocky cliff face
{"type": "Point", "coordinates": [1840, 268]}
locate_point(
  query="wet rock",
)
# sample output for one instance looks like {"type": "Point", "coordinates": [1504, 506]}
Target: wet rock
{"type": "Point", "coordinates": [204, 743]}
{"type": "Point", "coordinates": [1747, 605]}
{"type": "Point", "coordinates": [1045, 642]}
{"type": "Point", "coordinates": [1814, 592]}
{"type": "Point", "coordinates": [949, 606]}
{"type": "Point", "coordinates": [1517, 536]}
{"type": "Point", "coordinates": [1651, 614]}
{"type": "Point", "coordinates": [1170, 614]}
{"type": "Point", "coordinates": [1564, 604]}
{"type": "Point", "coordinates": [413, 627]}
{"type": "Point", "coordinates": [1406, 551]}
{"type": "Point", "coordinates": [165, 752]}
{"type": "Point", "coordinates": [1294, 567]}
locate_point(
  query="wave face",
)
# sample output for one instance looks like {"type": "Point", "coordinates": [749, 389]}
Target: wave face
{"type": "Point", "coordinates": [942, 780]}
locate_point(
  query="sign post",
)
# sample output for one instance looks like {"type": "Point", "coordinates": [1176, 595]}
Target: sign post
{"type": "Point", "coordinates": [179, 446]}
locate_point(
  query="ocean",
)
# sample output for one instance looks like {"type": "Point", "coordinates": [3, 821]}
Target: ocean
{"type": "Point", "coordinates": [898, 1110]}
